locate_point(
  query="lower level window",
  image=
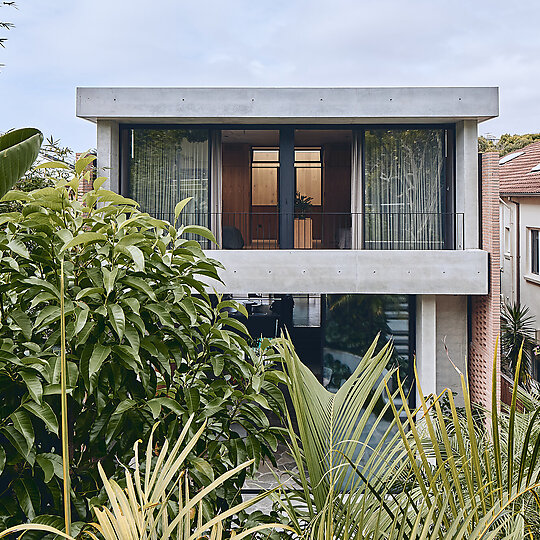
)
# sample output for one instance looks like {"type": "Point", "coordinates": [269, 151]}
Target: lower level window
{"type": "Point", "coordinates": [535, 250]}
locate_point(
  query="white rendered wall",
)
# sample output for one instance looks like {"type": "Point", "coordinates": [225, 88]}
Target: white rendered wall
{"type": "Point", "coordinates": [530, 283]}
{"type": "Point", "coordinates": [509, 251]}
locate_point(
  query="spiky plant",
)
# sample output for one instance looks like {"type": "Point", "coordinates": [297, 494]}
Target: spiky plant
{"type": "Point", "coordinates": [517, 332]}
{"type": "Point", "coordinates": [146, 510]}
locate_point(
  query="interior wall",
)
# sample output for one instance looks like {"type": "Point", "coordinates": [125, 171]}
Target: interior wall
{"type": "Point", "coordinates": [452, 332]}
{"type": "Point", "coordinates": [336, 190]}
{"type": "Point", "coordinates": [236, 187]}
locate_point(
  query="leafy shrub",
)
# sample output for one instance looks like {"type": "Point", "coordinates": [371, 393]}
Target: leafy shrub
{"type": "Point", "coordinates": [145, 342]}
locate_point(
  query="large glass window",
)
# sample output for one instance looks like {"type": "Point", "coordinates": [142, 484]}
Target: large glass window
{"type": "Point", "coordinates": [167, 166]}
{"type": "Point", "coordinates": [351, 323]}
{"type": "Point", "coordinates": [264, 177]}
{"type": "Point", "coordinates": [308, 172]}
{"type": "Point", "coordinates": [405, 185]}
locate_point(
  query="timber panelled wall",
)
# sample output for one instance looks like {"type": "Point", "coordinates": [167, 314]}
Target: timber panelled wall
{"type": "Point", "coordinates": [485, 310]}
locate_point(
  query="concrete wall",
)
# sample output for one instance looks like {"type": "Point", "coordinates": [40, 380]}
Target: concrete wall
{"type": "Point", "coordinates": [352, 271]}
{"type": "Point", "coordinates": [108, 151]}
{"type": "Point", "coordinates": [467, 180]}
{"type": "Point", "coordinates": [452, 342]}
{"type": "Point", "coordinates": [283, 105]}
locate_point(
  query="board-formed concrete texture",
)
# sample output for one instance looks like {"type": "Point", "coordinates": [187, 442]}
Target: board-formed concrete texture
{"type": "Point", "coordinates": [288, 105]}
{"type": "Point", "coordinates": [352, 271]}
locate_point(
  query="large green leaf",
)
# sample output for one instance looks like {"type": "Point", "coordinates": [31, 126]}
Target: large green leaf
{"type": "Point", "coordinates": [35, 389]}
{"type": "Point", "coordinates": [23, 424]}
{"type": "Point", "coordinates": [44, 412]}
{"type": "Point", "coordinates": [117, 319]}
{"type": "Point", "coordinates": [18, 150]}
{"type": "Point", "coordinates": [28, 496]}
{"type": "Point", "coordinates": [99, 355]}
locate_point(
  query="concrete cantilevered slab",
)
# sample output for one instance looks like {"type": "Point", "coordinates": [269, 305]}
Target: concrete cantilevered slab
{"type": "Point", "coordinates": [288, 105]}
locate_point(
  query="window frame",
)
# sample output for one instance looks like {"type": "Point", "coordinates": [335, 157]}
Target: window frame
{"type": "Point", "coordinates": [534, 251]}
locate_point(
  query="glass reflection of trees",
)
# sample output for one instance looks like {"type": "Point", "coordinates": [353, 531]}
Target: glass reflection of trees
{"type": "Point", "coordinates": [354, 320]}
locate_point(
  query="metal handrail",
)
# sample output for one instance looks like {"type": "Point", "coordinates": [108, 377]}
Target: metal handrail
{"type": "Point", "coordinates": [331, 230]}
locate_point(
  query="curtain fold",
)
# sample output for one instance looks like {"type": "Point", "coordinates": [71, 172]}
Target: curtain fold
{"type": "Point", "coordinates": [356, 190]}
{"type": "Point", "coordinates": [167, 166]}
{"type": "Point", "coordinates": [404, 189]}
{"type": "Point", "coordinates": [216, 183]}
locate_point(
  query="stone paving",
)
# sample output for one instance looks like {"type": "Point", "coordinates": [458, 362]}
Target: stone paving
{"type": "Point", "coordinates": [266, 479]}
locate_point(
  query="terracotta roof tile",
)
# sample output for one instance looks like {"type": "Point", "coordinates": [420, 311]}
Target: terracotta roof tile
{"type": "Point", "coordinates": [516, 176]}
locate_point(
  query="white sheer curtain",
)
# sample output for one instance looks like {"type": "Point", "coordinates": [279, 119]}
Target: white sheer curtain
{"type": "Point", "coordinates": [356, 190]}
{"type": "Point", "coordinates": [216, 183]}
{"type": "Point", "coordinates": [167, 166]}
{"type": "Point", "coordinates": [404, 189]}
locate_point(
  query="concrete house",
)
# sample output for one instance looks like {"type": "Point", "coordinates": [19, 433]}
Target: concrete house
{"type": "Point", "coordinates": [339, 212]}
{"type": "Point", "coordinates": [519, 177]}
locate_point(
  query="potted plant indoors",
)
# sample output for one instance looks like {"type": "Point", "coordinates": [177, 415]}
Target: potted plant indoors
{"type": "Point", "coordinates": [303, 225]}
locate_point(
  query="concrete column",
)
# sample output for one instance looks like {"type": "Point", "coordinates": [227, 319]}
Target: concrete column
{"type": "Point", "coordinates": [287, 188]}
{"type": "Point", "coordinates": [108, 151]}
{"type": "Point", "coordinates": [426, 343]}
{"type": "Point", "coordinates": [467, 182]}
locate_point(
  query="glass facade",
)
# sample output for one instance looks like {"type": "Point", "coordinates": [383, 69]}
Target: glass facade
{"type": "Point", "coordinates": [405, 188]}
{"type": "Point", "coordinates": [166, 166]}
{"type": "Point", "coordinates": [353, 321]}
{"type": "Point", "coordinates": [368, 188]}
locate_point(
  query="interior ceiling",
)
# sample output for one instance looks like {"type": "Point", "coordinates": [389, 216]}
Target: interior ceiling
{"type": "Point", "coordinates": [270, 137]}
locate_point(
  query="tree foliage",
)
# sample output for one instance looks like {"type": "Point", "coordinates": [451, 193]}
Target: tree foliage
{"type": "Point", "coordinates": [37, 177]}
{"type": "Point", "coordinates": [5, 25]}
{"type": "Point", "coordinates": [517, 338]}
{"type": "Point", "coordinates": [145, 342]}
{"type": "Point", "coordinates": [507, 143]}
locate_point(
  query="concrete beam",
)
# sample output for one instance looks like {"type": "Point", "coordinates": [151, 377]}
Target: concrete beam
{"type": "Point", "coordinates": [288, 105]}
{"type": "Point", "coordinates": [352, 271]}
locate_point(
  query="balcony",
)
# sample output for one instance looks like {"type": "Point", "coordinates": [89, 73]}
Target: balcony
{"type": "Point", "coordinates": [324, 230]}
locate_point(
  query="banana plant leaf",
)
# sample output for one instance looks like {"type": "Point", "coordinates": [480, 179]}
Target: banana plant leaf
{"type": "Point", "coordinates": [18, 151]}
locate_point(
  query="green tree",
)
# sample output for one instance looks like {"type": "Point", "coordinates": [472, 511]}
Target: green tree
{"type": "Point", "coordinates": [37, 177]}
{"type": "Point", "coordinates": [507, 143]}
{"type": "Point", "coordinates": [145, 342]}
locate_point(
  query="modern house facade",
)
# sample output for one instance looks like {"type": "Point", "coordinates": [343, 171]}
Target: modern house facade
{"type": "Point", "coordinates": [519, 176]}
{"type": "Point", "coordinates": [339, 212]}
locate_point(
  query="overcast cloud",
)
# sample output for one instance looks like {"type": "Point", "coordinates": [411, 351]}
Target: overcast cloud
{"type": "Point", "coordinates": [58, 45]}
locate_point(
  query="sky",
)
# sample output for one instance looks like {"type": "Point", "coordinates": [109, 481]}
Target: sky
{"type": "Point", "coordinates": [57, 45]}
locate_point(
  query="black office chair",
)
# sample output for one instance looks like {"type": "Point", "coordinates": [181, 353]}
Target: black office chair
{"type": "Point", "coordinates": [231, 238]}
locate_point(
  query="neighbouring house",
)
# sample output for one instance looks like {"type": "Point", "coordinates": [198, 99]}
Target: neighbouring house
{"type": "Point", "coordinates": [519, 177]}
{"type": "Point", "coordinates": [340, 212]}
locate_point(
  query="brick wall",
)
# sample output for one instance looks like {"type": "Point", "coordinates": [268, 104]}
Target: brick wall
{"type": "Point", "coordinates": [87, 182]}
{"type": "Point", "coordinates": [485, 310]}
